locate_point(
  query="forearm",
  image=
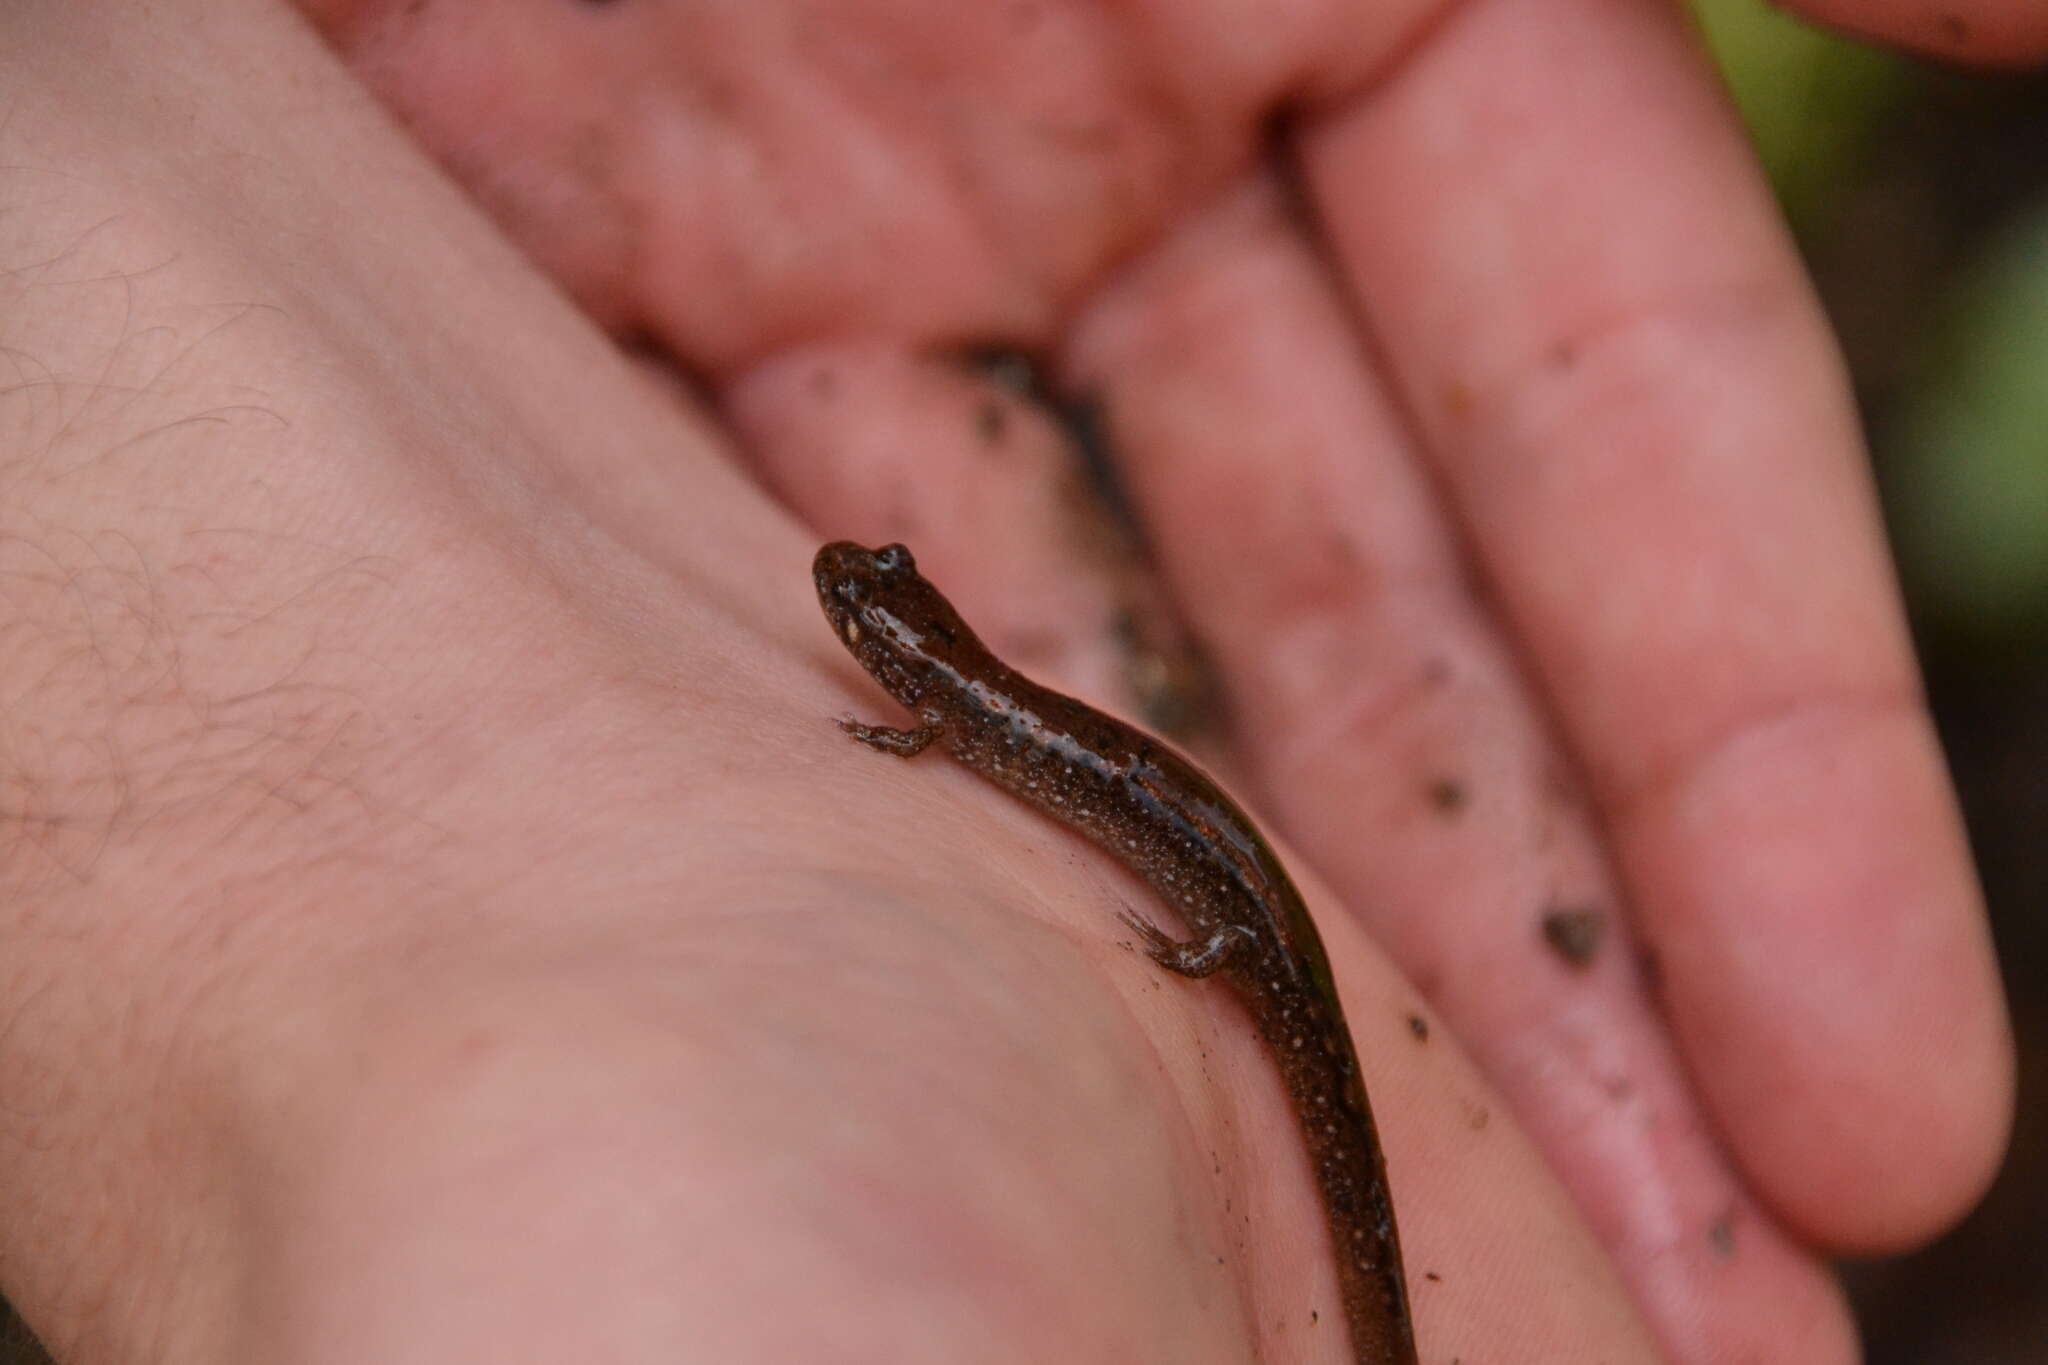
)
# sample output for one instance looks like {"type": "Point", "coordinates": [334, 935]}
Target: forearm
{"type": "Point", "coordinates": [442, 922]}
{"type": "Point", "coordinates": [264, 510]}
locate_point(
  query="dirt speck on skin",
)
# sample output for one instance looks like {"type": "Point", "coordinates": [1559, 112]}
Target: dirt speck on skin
{"type": "Point", "coordinates": [1652, 968]}
{"type": "Point", "coordinates": [1006, 367]}
{"type": "Point", "coordinates": [1721, 1237]}
{"type": "Point", "coordinates": [1574, 935]}
{"type": "Point", "coordinates": [1419, 1026]}
{"type": "Point", "coordinates": [1459, 400]}
{"type": "Point", "coordinates": [1448, 795]}
{"type": "Point", "coordinates": [991, 420]}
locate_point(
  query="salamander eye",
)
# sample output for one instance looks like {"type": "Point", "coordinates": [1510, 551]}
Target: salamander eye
{"type": "Point", "coordinates": [894, 558]}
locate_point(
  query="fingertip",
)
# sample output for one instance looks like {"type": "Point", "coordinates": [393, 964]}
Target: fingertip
{"type": "Point", "coordinates": [1833, 983]}
{"type": "Point", "coordinates": [1985, 32]}
{"type": "Point", "coordinates": [1915, 1138]}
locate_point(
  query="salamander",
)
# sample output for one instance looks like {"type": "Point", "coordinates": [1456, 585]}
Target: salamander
{"type": "Point", "coordinates": [1173, 826]}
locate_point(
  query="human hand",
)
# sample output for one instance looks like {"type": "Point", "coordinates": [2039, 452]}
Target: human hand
{"type": "Point", "coordinates": [1553, 588]}
{"type": "Point", "coordinates": [755, 335]}
{"type": "Point", "coordinates": [443, 921]}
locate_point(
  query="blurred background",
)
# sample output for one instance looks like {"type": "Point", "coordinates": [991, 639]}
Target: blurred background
{"type": "Point", "coordinates": [1920, 196]}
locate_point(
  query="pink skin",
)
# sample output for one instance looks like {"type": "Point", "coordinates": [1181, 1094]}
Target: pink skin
{"type": "Point", "coordinates": [1988, 31]}
{"type": "Point", "coordinates": [1618, 575]}
{"type": "Point", "coordinates": [1561, 591]}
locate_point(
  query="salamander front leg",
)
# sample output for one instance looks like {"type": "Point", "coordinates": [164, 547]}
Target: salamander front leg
{"type": "Point", "coordinates": [902, 743]}
{"type": "Point", "coordinates": [1193, 957]}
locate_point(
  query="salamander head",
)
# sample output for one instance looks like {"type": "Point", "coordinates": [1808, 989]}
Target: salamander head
{"type": "Point", "coordinates": [894, 623]}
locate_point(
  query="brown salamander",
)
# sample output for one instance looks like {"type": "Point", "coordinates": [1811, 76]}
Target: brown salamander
{"type": "Point", "coordinates": [1175, 828]}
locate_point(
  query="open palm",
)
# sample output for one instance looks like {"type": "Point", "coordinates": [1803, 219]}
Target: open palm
{"type": "Point", "coordinates": [1484, 433]}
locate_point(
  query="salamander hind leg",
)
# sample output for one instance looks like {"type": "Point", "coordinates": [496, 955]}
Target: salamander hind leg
{"type": "Point", "coordinates": [1195, 957]}
{"type": "Point", "coordinates": [902, 743]}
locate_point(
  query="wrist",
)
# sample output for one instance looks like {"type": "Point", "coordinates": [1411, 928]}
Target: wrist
{"type": "Point", "coordinates": [284, 630]}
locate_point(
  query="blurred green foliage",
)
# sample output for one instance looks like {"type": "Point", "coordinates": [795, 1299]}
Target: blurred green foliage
{"type": "Point", "coordinates": [1970, 463]}
{"type": "Point", "coordinates": [1965, 445]}
{"type": "Point", "coordinates": [1809, 98]}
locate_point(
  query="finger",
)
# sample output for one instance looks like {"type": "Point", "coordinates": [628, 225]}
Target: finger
{"type": "Point", "coordinates": [880, 442]}
{"type": "Point", "coordinates": [1630, 396]}
{"type": "Point", "coordinates": [1471, 1195]}
{"type": "Point", "coordinates": [1460, 1172]}
{"type": "Point", "coordinates": [1390, 736]}
{"type": "Point", "coordinates": [2006, 32]}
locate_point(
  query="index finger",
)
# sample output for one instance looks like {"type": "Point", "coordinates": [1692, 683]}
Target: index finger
{"type": "Point", "coordinates": [1632, 400]}
{"type": "Point", "coordinates": [2002, 31]}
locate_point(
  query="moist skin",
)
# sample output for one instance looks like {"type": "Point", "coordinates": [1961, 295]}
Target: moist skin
{"type": "Point", "coordinates": [1169, 823]}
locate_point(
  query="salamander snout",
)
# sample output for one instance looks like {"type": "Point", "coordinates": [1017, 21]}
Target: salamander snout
{"type": "Point", "coordinates": [841, 559]}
